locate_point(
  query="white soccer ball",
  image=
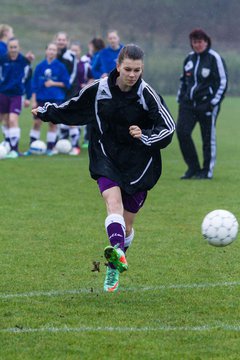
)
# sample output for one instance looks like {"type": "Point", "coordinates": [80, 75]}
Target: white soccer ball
{"type": "Point", "coordinates": [63, 146]}
{"type": "Point", "coordinates": [3, 152]}
{"type": "Point", "coordinates": [220, 227]}
{"type": "Point", "coordinates": [38, 147]}
{"type": "Point", "coordinates": [6, 145]}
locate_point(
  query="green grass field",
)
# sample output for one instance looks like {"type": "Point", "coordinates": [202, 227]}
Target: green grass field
{"type": "Point", "coordinates": [180, 297]}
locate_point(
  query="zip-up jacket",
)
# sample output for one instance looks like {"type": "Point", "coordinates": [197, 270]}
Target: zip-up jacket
{"type": "Point", "coordinates": [15, 76]}
{"type": "Point", "coordinates": [204, 80]}
{"type": "Point", "coordinates": [135, 164]}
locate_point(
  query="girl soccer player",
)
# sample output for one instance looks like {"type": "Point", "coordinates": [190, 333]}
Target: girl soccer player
{"type": "Point", "coordinates": [130, 124]}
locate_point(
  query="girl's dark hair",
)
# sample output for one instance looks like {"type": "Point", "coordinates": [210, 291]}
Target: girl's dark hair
{"type": "Point", "coordinates": [130, 51]}
{"type": "Point", "coordinates": [98, 43]}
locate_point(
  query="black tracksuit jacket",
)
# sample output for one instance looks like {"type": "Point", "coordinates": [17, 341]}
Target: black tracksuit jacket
{"type": "Point", "coordinates": [204, 80]}
{"type": "Point", "coordinates": [135, 164]}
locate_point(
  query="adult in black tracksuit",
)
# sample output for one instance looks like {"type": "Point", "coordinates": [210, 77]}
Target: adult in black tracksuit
{"type": "Point", "coordinates": [202, 89]}
{"type": "Point", "coordinates": [68, 58]}
{"type": "Point", "coordinates": [130, 124]}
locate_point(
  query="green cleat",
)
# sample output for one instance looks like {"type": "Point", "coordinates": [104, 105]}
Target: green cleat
{"type": "Point", "coordinates": [116, 256]}
{"type": "Point", "coordinates": [111, 280]}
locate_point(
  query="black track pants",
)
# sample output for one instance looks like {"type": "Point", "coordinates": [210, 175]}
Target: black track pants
{"type": "Point", "coordinates": [187, 119]}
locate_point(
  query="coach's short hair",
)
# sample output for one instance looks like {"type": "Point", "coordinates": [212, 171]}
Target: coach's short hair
{"type": "Point", "coordinates": [200, 34]}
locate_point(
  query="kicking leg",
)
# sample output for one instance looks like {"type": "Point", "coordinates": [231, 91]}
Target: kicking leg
{"type": "Point", "coordinates": [115, 227]}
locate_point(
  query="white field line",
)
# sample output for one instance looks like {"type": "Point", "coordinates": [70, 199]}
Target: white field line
{"type": "Point", "coordinates": [52, 293]}
{"type": "Point", "coordinates": [163, 328]}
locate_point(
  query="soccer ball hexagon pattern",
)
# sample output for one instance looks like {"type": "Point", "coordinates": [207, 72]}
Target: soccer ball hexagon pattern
{"type": "Point", "coordinates": [220, 227]}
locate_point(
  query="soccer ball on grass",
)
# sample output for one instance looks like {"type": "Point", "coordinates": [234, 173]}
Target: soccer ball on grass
{"type": "Point", "coordinates": [38, 147]}
{"type": "Point", "coordinates": [63, 146]}
{"type": "Point", "coordinates": [220, 227]}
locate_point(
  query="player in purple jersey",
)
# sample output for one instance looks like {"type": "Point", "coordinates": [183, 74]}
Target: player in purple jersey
{"type": "Point", "coordinates": [15, 83]}
{"type": "Point", "coordinates": [130, 124]}
{"type": "Point", "coordinates": [50, 79]}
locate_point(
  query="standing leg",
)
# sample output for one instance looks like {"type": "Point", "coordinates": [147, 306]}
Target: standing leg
{"type": "Point", "coordinates": [132, 204]}
{"type": "Point", "coordinates": [4, 111]}
{"type": "Point", "coordinates": [35, 132]}
{"type": "Point", "coordinates": [63, 131]}
{"type": "Point", "coordinates": [51, 138]}
{"type": "Point", "coordinates": [186, 122]}
{"type": "Point", "coordinates": [74, 133]}
{"type": "Point", "coordinates": [129, 220]}
{"type": "Point", "coordinates": [13, 134]}
{"type": "Point", "coordinates": [3, 120]}
{"type": "Point", "coordinates": [14, 131]}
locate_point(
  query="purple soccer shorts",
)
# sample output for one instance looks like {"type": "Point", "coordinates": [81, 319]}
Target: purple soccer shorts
{"type": "Point", "coordinates": [131, 203]}
{"type": "Point", "coordinates": [10, 104]}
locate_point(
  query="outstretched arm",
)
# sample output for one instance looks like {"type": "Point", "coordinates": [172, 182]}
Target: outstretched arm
{"type": "Point", "coordinates": [77, 111]}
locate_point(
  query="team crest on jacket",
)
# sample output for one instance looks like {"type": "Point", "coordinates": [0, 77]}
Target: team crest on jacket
{"type": "Point", "coordinates": [205, 72]}
{"type": "Point", "coordinates": [188, 66]}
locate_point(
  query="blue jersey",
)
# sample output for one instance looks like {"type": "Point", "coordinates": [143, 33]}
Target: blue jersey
{"type": "Point", "coordinates": [55, 71]}
{"type": "Point", "coordinates": [108, 59]}
{"type": "Point", "coordinates": [15, 76]}
{"type": "Point", "coordinates": [3, 48]}
{"type": "Point", "coordinates": [96, 66]}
